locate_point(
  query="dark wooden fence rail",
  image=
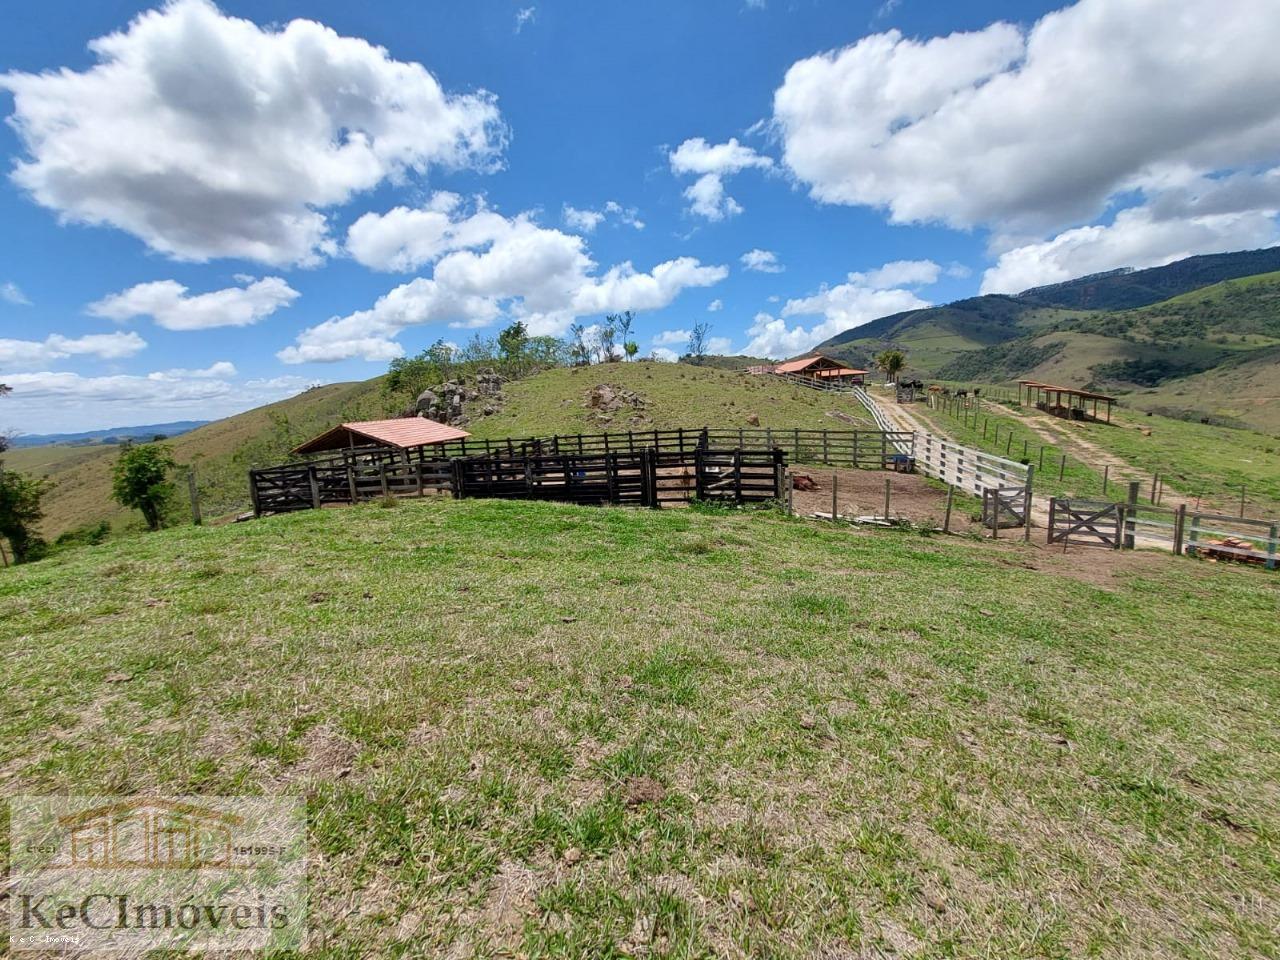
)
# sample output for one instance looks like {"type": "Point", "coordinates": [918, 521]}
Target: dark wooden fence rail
{"type": "Point", "coordinates": [648, 477]}
{"type": "Point", "coordinates": [871, 449]}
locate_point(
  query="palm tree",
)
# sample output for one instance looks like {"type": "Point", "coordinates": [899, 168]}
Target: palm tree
{"type": "Point", "coordinates": [891, 362]}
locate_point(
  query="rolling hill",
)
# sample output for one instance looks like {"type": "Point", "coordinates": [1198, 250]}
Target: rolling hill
{"type": "Point", "coordinates": [1206, 346]}
{"type": "Point", "coordinates": [647, 395]}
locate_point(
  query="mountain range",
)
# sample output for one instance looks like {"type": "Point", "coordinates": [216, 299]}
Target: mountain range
{"type": "Point", "coordinates": [1198, 338]}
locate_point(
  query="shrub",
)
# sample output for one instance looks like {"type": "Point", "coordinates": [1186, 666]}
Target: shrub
{"type": "Point", "coordinates": [140, 480]}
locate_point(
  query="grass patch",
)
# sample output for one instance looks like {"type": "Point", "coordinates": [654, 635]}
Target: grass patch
{"type": "Point", "coordinates": [534, 728]}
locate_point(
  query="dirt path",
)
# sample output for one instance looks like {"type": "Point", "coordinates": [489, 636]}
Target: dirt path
{"type": "Point", "coordinates": [903, 419]}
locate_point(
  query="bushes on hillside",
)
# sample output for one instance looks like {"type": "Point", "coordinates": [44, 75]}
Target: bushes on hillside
{"type": "Point", "coordinates": [140, 480]}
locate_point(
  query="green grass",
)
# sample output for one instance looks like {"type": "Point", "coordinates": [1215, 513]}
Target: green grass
{"type": "Point", "coordinates": [1194, 459]}
{"type": "Point", "coordinates": [864, 743]}
{"type": "Point", "coordinates": [674, 395]}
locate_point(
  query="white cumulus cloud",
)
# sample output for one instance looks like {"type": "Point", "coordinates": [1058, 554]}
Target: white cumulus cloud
{"type": "Point", "coordinates": [711, 164]}
{"type": "Point", "coordinates": [168, 303]}
{"type": "Point", "coordinates": [485, 267]}
{"type": "Point", "coordinates": [762, 261]}
{"type": "Point", "coordinates": [715, 306]}
{"type": "Point", "coordinates": [208, 136]}
{"type": "Point", "coordinates": [1040, 130]}
{"type": "Point", "coordinates": [587, 219]}
{"type": "Point", "coordinates": [670, 337]}
{"type": "Point", "coordinates": [866, 296]}
{"type": "Point", "coordinates": [104, 346]}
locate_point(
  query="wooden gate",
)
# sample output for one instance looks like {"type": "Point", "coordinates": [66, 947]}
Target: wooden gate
{"type": "Point", "coordinates": [1004, 507]}
{"type": "Point", "coordinates": [1098, 523]}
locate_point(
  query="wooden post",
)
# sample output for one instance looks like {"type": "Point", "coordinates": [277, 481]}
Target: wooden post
{"type": "Point", "coordinates": [421, 492]}
{"type": "Point", "coordinates": [946, 519]}
{"type": "Point", "coordinates": [1193, 535]}
{"type": "Point", "coordinates": [315, 486]}
{"type": "Point", "coordinates": [351, 482]}
{"type": "Point", "coordinates": [253, 493]}
{"type": "Point", "coordinates": [1242, 501]}
{"type": "Point", "coordinates": [791, 500]}
{"type": "Point", "coordinates": [1026, 506]}
{"type": "Point", "coordinates": [855, 449]}
{"type": "Point", "coordinates": [382, 475]}
{"type": "Point", "coordinates": [195, 496]}
{"type": "Point", "coordinates": [1271, 547]}
{"type": "Point", "coordinates": [1008, 444]}
{"type": "Point", "coordinates": [1053, 518]}
{"type": "Point", "coordinates": [833, 496]}
{"type": "Point", "coordinates": [1155, 481]}
{"type": "Point", "coordinates": [1179, 527]}
{"type": "Point", "coordinates": [1132, 509]}
{"type": "Point", "coordinates": [796, 457]}
{"type": "Point", "coordinates": [995, 511]}
{"type": "Point", "coordinates": [1062, 467]}
{"type": "Point", "coordinates": [697, 473]}
{"type": "Point", "coordinates": [1106, 478]}
{"type": "Point", "coordinates": [887, 483]}
{"type": "Point", "coordinates": [737, 475]}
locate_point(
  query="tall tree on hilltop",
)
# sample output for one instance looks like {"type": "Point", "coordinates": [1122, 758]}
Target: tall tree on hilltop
{"type": "Point", "coordinates": [891, 362]}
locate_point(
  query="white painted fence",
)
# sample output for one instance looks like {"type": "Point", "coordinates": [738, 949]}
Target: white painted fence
{"type": "Point", "coordinates": [971, 470]}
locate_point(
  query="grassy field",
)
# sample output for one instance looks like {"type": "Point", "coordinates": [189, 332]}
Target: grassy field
{"type": "Point", "coordinates": [538, 730]}
{"type": "Point", "coordinates": [1200, 461]}
{"type": "Point", "coordinates": [673, 395]}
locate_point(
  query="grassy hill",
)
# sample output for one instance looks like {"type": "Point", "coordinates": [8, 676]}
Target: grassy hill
{"type": "Point", "coordinates": [1207, 352]}
{"type": "Point", "coordinates": [221, 451]}
{"type": "Point", "coordinates": [555, 401]}
{"type": "Point", "coordinates": [528, 728]}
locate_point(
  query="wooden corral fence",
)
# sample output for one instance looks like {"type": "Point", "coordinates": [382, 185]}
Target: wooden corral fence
{"type": "Point", "coordinates": [648, 478]}
{"type": "Point", "coordinates": [977, 472]}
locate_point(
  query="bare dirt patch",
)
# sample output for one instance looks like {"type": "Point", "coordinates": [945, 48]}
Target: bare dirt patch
{"type": "Point", "coordinates": [861, 493]}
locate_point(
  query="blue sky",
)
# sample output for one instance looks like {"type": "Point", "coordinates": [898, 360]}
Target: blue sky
{"type": "Point", "coordinates": [216, 206]}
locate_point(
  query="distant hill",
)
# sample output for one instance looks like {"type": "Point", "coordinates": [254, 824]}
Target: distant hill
{"type": "Point", "coordinates": [1126, 289]}
{"type": "Point", "coordinates": [113, 435]}
{"type": "Point", "coordinates": [934, 335]}
{"type": "Point", "coordinates": [1196, 338]}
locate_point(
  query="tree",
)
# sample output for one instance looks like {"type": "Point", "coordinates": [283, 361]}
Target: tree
{"type": "Point", "coordinates": [698, 341]}
{"type": "Point", "coordinates": [891, 362]}
{"type": "Point", "coordinates": [140, 479]}
{"type": "Point", "coordinates": [579, 353]}
{"type": "Point", "coordinates": [20, 512]}
{"type": "Point", "coordinates": [622, 322]}
{"type": "Point", "coordinates": [513, 340]}
{"type": "Point", "coordinates": [606, 348]}
{"type": "Point", "coordinates": [631, 348]}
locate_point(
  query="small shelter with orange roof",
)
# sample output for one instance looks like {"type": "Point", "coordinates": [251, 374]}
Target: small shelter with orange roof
{"type": "Point", "coordinates": [819, 368]}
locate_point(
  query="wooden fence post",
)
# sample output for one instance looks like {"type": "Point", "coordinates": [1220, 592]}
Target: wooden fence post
{"type": "Point", "coordinates": [1026, 505]}
{"type": "Point", "coordinates": [253, 492]}
{"type": "Point", "coordinates": [1242, 487]}
{"type": "Point", "coordinates": [1130, 509]}
{"type": "Point", "coordinates": [351, 482]}
{"type": "Point", "coordinates": [697, 473]}
{"type": "Point", "coordinates": [421, 492]}
{"type": "Point", "coordinates": [315, 486]}
{"type": "Point", "coordinates": [779, 474]}
{"type": "Point", "coordinates": [887, 483]}
{"type": "Point", "coordinates": [651, 464]}
{"type": "Point", "coordinates": [1179, 528]}
{"type": "Point", "coordinates": [946, 521]}
{"type": "Point", "coordinates": [1062, 467]}
{"type": "Point", "coordinates": [1053, 518]}
{"type": "Point", "coordinates": [1271, 547]}
{"type": "Point", "coordinates": [195, 496]}
{"type": "Point", "coordinates": [834, 479]}
{"type": "Point", "coordinates": [382, 474]}
{"type": "Point", "coordinates": [737, 475]}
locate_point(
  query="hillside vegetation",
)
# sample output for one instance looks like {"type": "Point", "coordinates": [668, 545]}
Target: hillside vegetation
{"type": "Point", "coordinates": [1204, 352]}
{"type": "Point", "coordinates": [554, 401]}
{"type": "Point", "coordinates": [525, 728]}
